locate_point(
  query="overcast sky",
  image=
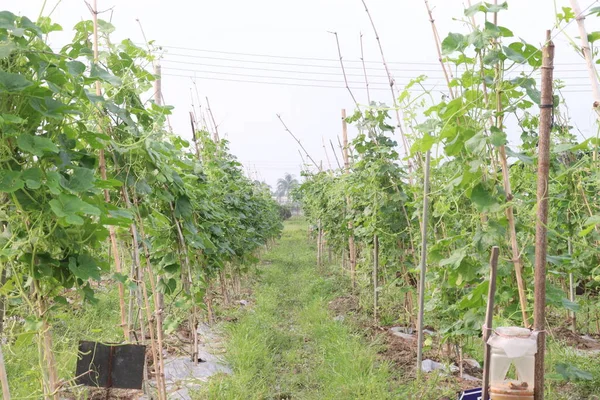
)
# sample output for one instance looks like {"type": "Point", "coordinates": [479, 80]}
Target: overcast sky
{"type": "Point", "coordinates": [205, 38]}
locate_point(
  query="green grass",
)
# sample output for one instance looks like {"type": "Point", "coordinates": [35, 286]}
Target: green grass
{"type": "Point", "coordinates": [287, 346]}
{"type": "Point", "coordinates": [69, 325]}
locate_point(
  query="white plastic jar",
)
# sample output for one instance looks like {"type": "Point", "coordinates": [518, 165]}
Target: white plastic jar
{"type": "Point", "coordinates": [517, 346]}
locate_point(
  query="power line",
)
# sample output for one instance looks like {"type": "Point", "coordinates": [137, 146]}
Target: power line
{"type": "Point", "coordinates": [310, 58]}
{"type": "Point", "coordinates": [414, 89]}
{"type": "Point", "coordinates": [283, 70]}
{"type": "Point", "coordinates": [276, 83]}
{"type": "Point", "coordinates": [275, 77]}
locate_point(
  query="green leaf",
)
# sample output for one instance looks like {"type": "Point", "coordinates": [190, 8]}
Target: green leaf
{"type": "Point", "coordinates": [454, 42]}
{"type": "Point", "coordinates": [513, 55]}
{"type": "Point", "coordinates": [71, 208]}
{"type": "Point", "coordinates": [522, 157]}
{"type": "Point", "coordinates": [81, 180]}
{"type": "Point", "coordinates": [593, 220]}
{"type": "Point", "coordinates": [7, 20]}
{"type": "Point", "coordinates": [497, 137]}
{"type": "Point", "coordinates": [494, 8]}
{"type": "Point", "coordinates": [75, 68]}
{"type": "Point", "coordinates": [497, 30]}
{"type": "Point", "coordinates": [562, 147]}
{"type": "Point", "coordinates": [482, 197]}
{"type": "Point", "coordinates": [32, 177]}
{"type": "Point", "coordinates": [6, 48]}
{"type": "Point", "coordinates": [571, 373]}
{"type": "Point", "coordinates": [476, 144]}
{"type": "Point", "coordinates": [36, 145]}
{"type": "Point", "coordinates": [570, 305]}
{"type": "Point", "coordinates": [84, 267]}
{"type": "Point", "coordinates": [493, 57]}
{"type": "Point", "coordinates": [423, 144]}
{"type": "Point", "coordinates": [10, 181]}
{"type": "Point", "coordinates": [568, 14]}
{"type": "Point", "coordinates": [455, 258]}
{"type": "Point", "coordinates": [102, 74]}
{"type": "Point", "coordinates": [13, 83]}
{"type": "Point", "coordinates": [592, 37]}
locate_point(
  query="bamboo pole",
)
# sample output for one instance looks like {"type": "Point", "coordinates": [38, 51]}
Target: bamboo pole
{"type": "Point", "coordinates": [541, 240]}
{"type": "Point", "coordinates": [157, 303]}
{"type": "Point", "coordinates": [4, 377]}
{"type": "Point", "coordinates": [362, 59]}
{"type": "Point", "coordinates": [102, 164]}
{"type": "Point", "coordinates": [423, 265]}
{"type": "Point", "coordinates": [438, 48]}
{"type": "Point", "coordinates": [375, 280]}
{"type": "Point", "coordinates": [299, 144]}
{"type": "Point", "coordinates": [572, 288]}
{"type": "Point", "coordinates": [587, 54]}
{"type": "Point", "coordinates": [392, 83]}
{"type": "Point", "coordinates": [351, 243]}
{"type": "Point", "coordinates": [489, 317]}
{"type": "Point", "coordinates": [516, 255]}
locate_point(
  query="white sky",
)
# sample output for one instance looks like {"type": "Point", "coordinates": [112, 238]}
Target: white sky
{"type": "Point", "coordinates": [246, 112]}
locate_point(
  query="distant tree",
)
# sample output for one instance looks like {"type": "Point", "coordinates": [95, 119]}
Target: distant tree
{"type": "Point", "coordinates": [285, 186]}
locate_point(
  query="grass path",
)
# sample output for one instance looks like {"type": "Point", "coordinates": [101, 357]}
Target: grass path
{"type": "Point", "coordinates": [287, 346]}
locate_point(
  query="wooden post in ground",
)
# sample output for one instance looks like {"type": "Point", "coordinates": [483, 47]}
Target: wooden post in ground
{"type": "Point", "coordinates": [541, 226]}
{"type": "Point", "coordinates": [376, 280]}
{"type": "Point", "coordinates": [423, 265]}
{"type": "Point", "coordinates": [351, 243]}
{"type": "Point", "coordinates": [489, 317]}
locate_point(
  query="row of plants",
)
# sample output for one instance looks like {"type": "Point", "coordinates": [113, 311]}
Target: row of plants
{"type": "Point", "coordinates": [482, 192]}
{"type": "Point", "coordinates": [95, 192]}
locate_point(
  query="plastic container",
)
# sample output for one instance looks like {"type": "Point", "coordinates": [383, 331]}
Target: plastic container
{"type": "Point", "coordinates": [516, 346]}
{"type": "Point", "coordinates": [506, 391]}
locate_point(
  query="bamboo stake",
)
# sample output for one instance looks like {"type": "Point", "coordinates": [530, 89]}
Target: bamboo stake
{"type": "Point", "coordinates": [216, 133]}
{"type": "Point", "coordinates": [362, 59]}
{"type": "Point", "coordinates": [587, 54]}
{"type": "Point", "coordinates": [337, 161]}
{"type": "Point", "coordinates": [375, 280]}
{"type": "Point", "coordinates": [516, 255]}
{"type": "Point", "coordinates": [423, 265]}
{"type": "Point", "coordinates": [438, 47]}
{"type": "Point", "coordinates": [102, 164]}
{"type": "Point", "coordinates": [572, 288]}
{"type": "Point", "coordinates": [300, 144]}
{"type": "Point", "coordinates": [541, 242]}
{"type": "Point", "coordinates": [158, 85]}
{"type": "Point", "coordinates": [159, 365]}
{"type": "Point", "coordinates": [392, 83]}
{"type": "Point", "coordinates": [337, 41]}
{"type": "Point", "coordinates": [326, 154]}
{"type": "Point", "coordinates": [351, 243]}
{"type": "Point", "coordinates": [489, 317]}
{"type": "Point", "coordinates": [3, 377]}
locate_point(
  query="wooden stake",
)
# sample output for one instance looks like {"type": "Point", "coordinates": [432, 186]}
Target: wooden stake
{"type": "Point", "coordinates": [3, 377]}
{"type": "Point", "coordinates": [158, 85]}
{"type": "Point", "coordinates": [541, 227]}
{"type": "Point", "coordinates": [102, 164]}
{"type": "Point", "coordinates": [159, 365]}
{"type": "Point", "coordinates": [438, 48]}
{"type": "Point", "coordinates": [299, 144]}
{"type": "Point", "coordinates": [572, 289]}
{"type": "Point", "coordinates": [362, 59]}
{"type": "Point", "coordinates": [376, 280]}
{"type": "Point", "coordinates": [337, 41]}
{"type": "Point", "coordinates": [587, 54]}
{"type": "Point", "coordinates": [216, 133]}
{"type": "Point", "coordinates": [489, 318]}
{"type": "Point", "coordinates": [351, 243]}
{"type": "Point", "coordinates": [423, 265]}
